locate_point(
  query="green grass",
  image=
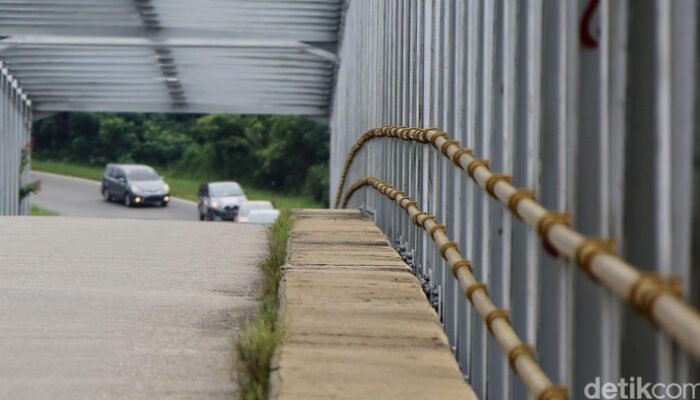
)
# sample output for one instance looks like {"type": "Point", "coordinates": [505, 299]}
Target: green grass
{"type": "Point", "coordinates": [256, 344]}
{"type": "Point", "coordinates": [64, 168]}
{"type": "Point", "coordinates": [42, 212]}
{"type": "Point", "coordinates": [182, 187]}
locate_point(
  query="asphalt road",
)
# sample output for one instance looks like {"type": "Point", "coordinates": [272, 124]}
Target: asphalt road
{"type": "Point", "coordinates": [75, 197]}
{"type": "Point", "coordinates": [121, 309]}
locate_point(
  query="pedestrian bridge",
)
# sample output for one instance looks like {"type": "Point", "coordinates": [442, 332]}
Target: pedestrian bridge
{"type": "Point", "coordinates": [533, 162]}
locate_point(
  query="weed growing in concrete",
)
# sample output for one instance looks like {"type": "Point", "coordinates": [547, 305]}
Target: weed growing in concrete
{"type": "Point", "coordinates": [257, 342]}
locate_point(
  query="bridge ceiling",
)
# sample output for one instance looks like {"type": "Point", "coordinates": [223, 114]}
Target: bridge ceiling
{"type": "Point", "coordinates": [202, 56]}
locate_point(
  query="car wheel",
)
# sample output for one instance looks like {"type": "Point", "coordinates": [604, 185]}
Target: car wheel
{"type": "Point", "coordinates": [127, 200]}
{"type": "Point", "coordinates": [105, 195]}
{"type": "Point", "coordinates": [210, 217]}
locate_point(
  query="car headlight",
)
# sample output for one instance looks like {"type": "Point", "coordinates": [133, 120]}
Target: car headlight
{"type": "Point", "coordinates": [135, 188]}
{"type": "Point", "coordinates": [215, 204]}
{"type": "Point", "coordinates": [166, 187]}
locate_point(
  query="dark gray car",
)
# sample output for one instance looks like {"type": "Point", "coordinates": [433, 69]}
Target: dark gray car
{"type": "Point", "coordinates": [133, 185]}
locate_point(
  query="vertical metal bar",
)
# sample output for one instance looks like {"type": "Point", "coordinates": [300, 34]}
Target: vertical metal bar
{"type": "Point", "coordinates": [447, 176]}
{"type": "Point", "coordinates": [497, 217]}
{"type": "Point", "coordinates": [427, 81]}
{"type": "Point", "coordinates": [553, 335]}
{"type": "Point", "coordinates": [6, 145]}
{"type": "Point", "coordinates": [459, 123]}
{"type": "Point", "coordinates": [480, 257]}
{"type": "Point", "coordinates": [409, 99]}
{"type": "Point", "coordinates": [525, 243]}
{"type": "Point", "coordinates": [612, 109]}
{"type": "Point", "coordinates": [594, 308]}
{"type": "Point", "coordinates": [418, 108]}
{"type": "Point", "coordinates": [437, 263]}
{"type": "Point", "coordinates": [663, 170]}
{"type": "Point", "coordinates": [532, 165]}
{"type": "Point", "coordinates": [509, 27]}
{"type": "Point", "coordinates": [3, 146]}
{"type": "Point", "coordinates": [395, 117]}
{"type": "Point", "coordinates": [475, 329]}
{"type": "Point", "coordinates": [26, 207]}
{"type": "Point", "coordinates": [640, 244]}
{"type": "Point", "coordinates": [567, 178]}
{"type": "Point", "coordinates": [683, 55]}
{"type": "Point", "coordinates": [14, 151]}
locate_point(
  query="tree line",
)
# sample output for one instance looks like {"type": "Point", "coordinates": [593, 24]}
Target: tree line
{"type": "Point", "coordinates": [285, 153]}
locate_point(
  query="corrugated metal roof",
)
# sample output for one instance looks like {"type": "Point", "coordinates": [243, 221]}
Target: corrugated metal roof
{"type": "Point", "coordinates": [234, 56]}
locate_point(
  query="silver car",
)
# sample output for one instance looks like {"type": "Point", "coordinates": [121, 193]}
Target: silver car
{"type": "Point", "coordinates": [220, 200]}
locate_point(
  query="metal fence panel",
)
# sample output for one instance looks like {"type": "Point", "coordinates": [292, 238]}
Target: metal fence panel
{"type": "Point", "coordinates": [589, 103]}
{"type": "Point", "coordinates": [15, 127]}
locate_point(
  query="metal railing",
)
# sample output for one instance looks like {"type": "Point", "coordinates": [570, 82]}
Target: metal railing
{"type": "Point", "coordinates": [15, 128]}
{"type": "Point", "coordinates": [520, 355]}
{"type": "Point", "coordinates": [601, 124]}
{"type": "Point", "coordinates": [656, 297]}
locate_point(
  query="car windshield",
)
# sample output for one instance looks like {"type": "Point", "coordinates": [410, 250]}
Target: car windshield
{"type": "Point", "coordinates": [246, 208]}
{"type": "Point", "coordinates": [142, 174]}
{"type": "Point", "coordinates": [225, 189]}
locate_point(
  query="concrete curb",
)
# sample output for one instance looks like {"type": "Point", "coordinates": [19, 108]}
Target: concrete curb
{"type": "Point", "coordinates": [356, 321]}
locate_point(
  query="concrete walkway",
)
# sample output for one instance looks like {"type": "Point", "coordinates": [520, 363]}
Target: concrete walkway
{"type": "Point", "coordinates": [357, 324]}
{"type": "Point", "coordinates": [123, 309]}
